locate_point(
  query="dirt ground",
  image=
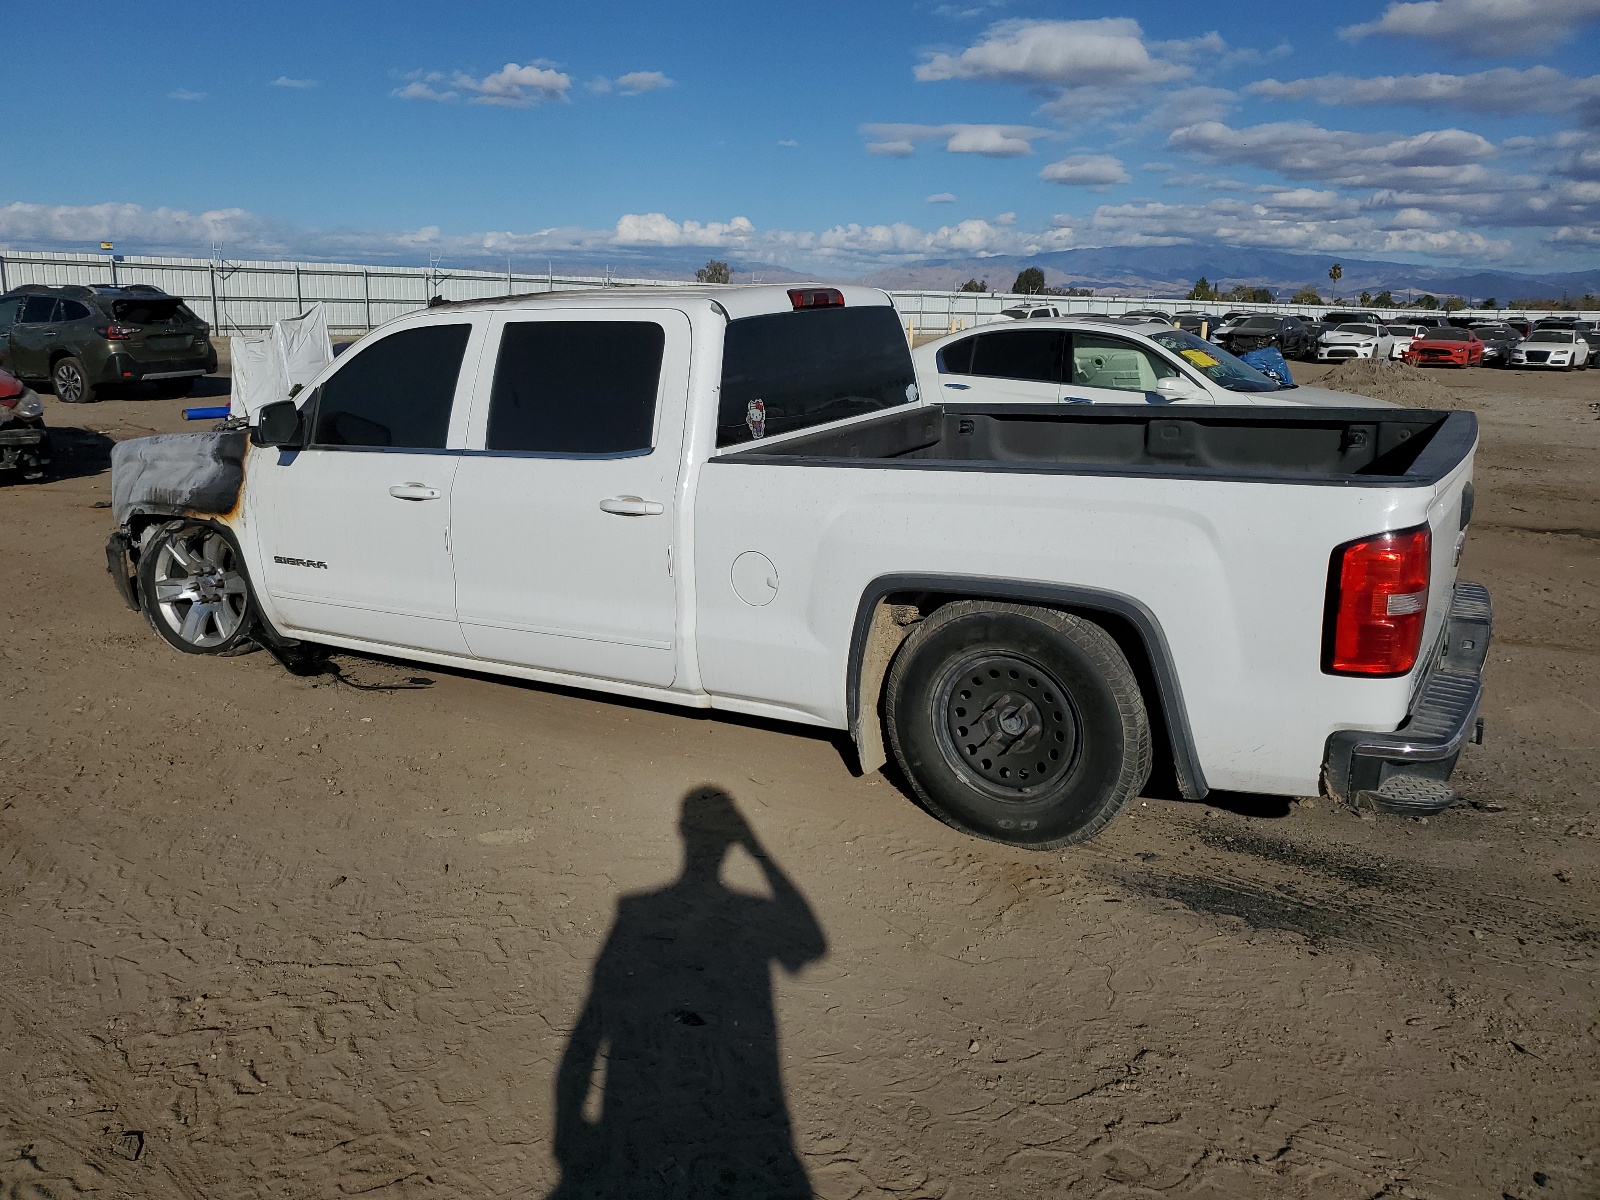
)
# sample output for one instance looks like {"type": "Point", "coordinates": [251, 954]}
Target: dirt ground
{"type": "Point", "coordinates": [393, 931]}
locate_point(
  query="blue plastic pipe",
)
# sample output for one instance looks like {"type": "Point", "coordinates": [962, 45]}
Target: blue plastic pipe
{"type": "Point", "coordinates": [214, 413]}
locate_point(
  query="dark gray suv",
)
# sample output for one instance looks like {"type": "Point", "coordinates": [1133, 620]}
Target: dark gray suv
{"type": "Point", "coordinates": [76, 341]}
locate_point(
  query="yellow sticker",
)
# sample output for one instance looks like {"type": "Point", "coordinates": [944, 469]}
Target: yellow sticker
{"type": "Point", "coordinates": [1201, 359]}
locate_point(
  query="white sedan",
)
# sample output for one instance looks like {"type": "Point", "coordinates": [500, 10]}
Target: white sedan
{"type": "Point", "coordinates": [1402, 336]}
{"type": "Point", "coordinates": [1559, 348]}
{"type": "Point", "coordinates": [1075, 360]}
{"type": "Point", "coordinates": [1355, 341]}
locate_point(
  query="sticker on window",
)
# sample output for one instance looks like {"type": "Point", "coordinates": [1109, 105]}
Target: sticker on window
{"type": "Point", "coordinates": [1200, 358]}
{"type": "Point", "coordinates": [755, 418]}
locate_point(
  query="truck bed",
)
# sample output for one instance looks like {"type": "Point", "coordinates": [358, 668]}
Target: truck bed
{"type": "Point", "coordinates": [1351, 446]}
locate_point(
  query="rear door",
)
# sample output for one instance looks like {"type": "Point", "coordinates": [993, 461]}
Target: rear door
{"type": "Point", "coordinates": [1003, 364]}
{"type": "Point", "coordinates": [354, 530]}
{"type": "Point", "coordinates": [564, 506]}
{"type": "Point", "coordinates": [37, 330]}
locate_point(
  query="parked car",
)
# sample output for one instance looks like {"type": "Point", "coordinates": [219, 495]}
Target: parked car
{"type": "Point", "coordinates": [1499, 340]}
{"type": "Point", "coordinates": [77, 340]}
{"type": "Point", "coordinates": [1076, 360]}
{"type": "Point", "coordinates": [1290, 335]}
{"type": "Point", "coordinates": [1522, 325]}
{"type": "Point", "coordinates": [1149, 314]}
{"type": "Point", "coordinates": [24, 440]}
{"type": "Point", "coordinates": [1401, 337]}
{"type": "Point", "coordinates": [1561, 349]}
{"type": "Point", "coordinates": [1025, 312]}
{"type": "Point", "coordinates": [1198, 323]}
{"type": "Point", "coordinates": [1355, 341]}
{"type": "Point", "coordinates": [1445, 346]}
{"type": "Point", "coordinates": [737, 499]}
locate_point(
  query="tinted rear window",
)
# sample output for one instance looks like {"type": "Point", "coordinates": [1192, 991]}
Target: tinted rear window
{"type": "Point", "coordinates": [147, 312]}
{"type": "Point", "coordinates": [788, 371]}
{"type": "Point", "coordinates": [396, 392]}
{"type": "Point", "coordinates": [576, 387]}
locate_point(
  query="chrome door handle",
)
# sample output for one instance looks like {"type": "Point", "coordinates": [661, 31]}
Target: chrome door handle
{"type": "Point", "coordinates": [632, 506]}
{"type": "Point", "coordinates": [414, 491]}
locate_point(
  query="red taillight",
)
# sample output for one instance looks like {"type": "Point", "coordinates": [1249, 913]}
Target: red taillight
{"type": "Point", "coordinates": [1377, 602]}
{"type": "Point", "coordinates": [120, 333]}
{"type": "Point", "coordinates": [816, 298]}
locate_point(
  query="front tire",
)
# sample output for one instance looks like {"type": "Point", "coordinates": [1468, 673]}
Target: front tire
{"type": "Point", "coordinates": [1018, 724]}
{"type": "Point", "coordinates": [70, 382]}
{"type": "Point", "coordinates": [193, 589]}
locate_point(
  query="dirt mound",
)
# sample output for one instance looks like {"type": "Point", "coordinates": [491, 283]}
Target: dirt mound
{"type": "Point", "coordinates": [1391, 381]}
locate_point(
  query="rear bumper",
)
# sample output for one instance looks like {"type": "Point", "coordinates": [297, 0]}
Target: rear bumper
{"type": "Point", "coordinates": [123, 368]}
{"type": "Point", "coordinates": [1443, 716]}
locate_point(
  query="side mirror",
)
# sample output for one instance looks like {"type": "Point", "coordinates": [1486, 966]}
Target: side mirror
{"type": "Point", "coordinates": [278, 425]}
{"type": "Point", "coordinates": [1175, 388]}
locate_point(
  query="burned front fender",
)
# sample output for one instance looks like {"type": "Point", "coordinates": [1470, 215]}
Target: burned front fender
{"type": "Point", "coordinates": [178, 475]}
{"type": "Point", "coordinates": [195, 475]}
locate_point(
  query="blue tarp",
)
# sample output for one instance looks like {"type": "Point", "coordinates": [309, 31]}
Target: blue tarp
{"type": "Point", "coordinates": [1269, 361]}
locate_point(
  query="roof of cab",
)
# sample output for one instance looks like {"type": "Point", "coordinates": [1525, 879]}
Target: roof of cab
{"type": "Point", "coordinates": [739, 300]}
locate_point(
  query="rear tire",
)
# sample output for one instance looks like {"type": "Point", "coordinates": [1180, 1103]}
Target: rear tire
{"type": "Point", "coordinates": [70, 382]}
{"type": "Point", "coordinates": [193, 589]}
{"type": "Point", "coordinates": [1018, 724]}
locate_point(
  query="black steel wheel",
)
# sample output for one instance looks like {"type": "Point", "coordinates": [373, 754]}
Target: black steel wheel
{"type": "Point", "coordinates": [1019, 724]}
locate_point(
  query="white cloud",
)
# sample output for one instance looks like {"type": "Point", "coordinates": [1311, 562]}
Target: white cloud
{"type": "Point", "coordinates": [658, 229]}
{"type": "Point", "coordinates": [1097, 171]}
{"type": "Point", "coordinates": [1584, 237]}
{"type": "Point", "coordinates": [1437, 158]}
{"type": "Point", "coordinates": [941, 198]}
{"type": "Point", "coordinates": [788, 143]}
{"type": "Point", "coordinates": [1104, 51]}
{"type": "Point", "coordinates": [185, 94]}
{"type": "Point", "coordinates": [1006, 219]}
{"type": "Point", "coordinates": [1483, 27]}
{"type": "Point", "coordinates": [512, 86]}
{"type": "Point", "coordinates": [994, 141]}
{"type": "Point", "coordinates": [1502, 91]}
{"type": "Point", "coordinates": [284, 81]}
{"type": "Point", "coordinates": [636, 83]}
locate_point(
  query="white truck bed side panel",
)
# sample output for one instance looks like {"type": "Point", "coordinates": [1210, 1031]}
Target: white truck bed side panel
{"type": "Point", "coordinates": [1235, 574]}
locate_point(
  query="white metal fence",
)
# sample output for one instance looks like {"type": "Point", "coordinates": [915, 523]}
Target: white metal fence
{"type": "Point", "coordinates": [239, 297]}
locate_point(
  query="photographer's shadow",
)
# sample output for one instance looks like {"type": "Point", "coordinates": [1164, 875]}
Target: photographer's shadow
{"type": "Point", "coordinates": [670, 1085]}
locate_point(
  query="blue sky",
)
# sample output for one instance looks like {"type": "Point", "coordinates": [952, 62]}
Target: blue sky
{"type": "Point", "coordinates": [824, 136]}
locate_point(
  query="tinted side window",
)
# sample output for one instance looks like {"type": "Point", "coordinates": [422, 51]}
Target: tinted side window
{"type": "Point", "coordinates": [1031, 354]}
{"type": "Point", "coordinates": [38, 310]}
{"type": "Point", "coordinates": [957, 356]}
{"type": "Point", "coordinates": [397, 392]}
{"type": "Point", "coordinates": [8, 311]}
{"type": "Point", "coordinates": [71, 310]}
{"type": "Point", "coordinates": [576, 387]}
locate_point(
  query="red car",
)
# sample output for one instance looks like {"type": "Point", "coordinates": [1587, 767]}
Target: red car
{"type": "Point", "coordinates": [24, 441]}
{"type": "Point", "coordinates": [1445, 346]}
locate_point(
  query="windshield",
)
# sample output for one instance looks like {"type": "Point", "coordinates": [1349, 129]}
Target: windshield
{"type": "Point", "coordinates": [788, 371]}
{"type": "Point", "coordinates": [1343, 318]}
{"type": "Point", "coordinates": [1550, 335]}
{"type": "Point", "coordinates": [1213, 362]}
{"type": "Point", "coordinates": [1446, 335]}
{"type": "Point", "coordinates": [1363, 330]}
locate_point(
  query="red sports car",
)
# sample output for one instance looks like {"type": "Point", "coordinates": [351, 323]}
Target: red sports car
{"type": "Point", "coordinates": [1445, 346]}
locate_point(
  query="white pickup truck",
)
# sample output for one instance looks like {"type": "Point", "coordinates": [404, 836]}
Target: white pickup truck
{"type": "Point", "coordinates": [738, 499]}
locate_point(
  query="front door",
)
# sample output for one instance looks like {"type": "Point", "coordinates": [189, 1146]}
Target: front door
{"type": "Point", "coordinates": [354, 530]}
{"type": "Point", "coordinates": [1104, 369]}
{"type": "Point", "coordinates": [37, 330]}
{"type": "Point", "coordinates": [565, 506]}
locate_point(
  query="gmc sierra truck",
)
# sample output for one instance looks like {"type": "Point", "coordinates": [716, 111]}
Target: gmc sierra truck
{"type": "Point", "coordinates": [740, 499]}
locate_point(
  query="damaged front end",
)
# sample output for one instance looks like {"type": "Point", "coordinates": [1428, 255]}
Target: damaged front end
{"type": "Point", "coordinates": [24, 440]}
{"type": "Point", "coordinates": [199, 476]}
